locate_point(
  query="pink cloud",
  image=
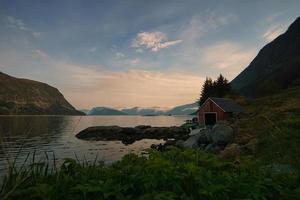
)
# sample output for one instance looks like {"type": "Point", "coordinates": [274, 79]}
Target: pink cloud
{"type": "Point", "coordinates": [154, 41]}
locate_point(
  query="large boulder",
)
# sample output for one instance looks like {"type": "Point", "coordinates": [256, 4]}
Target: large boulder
{"type": "Point", "coordinates": [221, 133]}
{"type": "Point", "coordinates": [204, 137]}
{"type": "Point", "coordinates": [195, 131]}
{"type": "Point", "coordinates": [192, 141]}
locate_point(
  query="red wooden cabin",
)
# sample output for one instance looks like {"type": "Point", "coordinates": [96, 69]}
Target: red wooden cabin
{"type": "Point", "coordinates": [216, 109]}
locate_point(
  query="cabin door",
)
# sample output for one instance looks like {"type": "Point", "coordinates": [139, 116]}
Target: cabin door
{"type": "Point", "coordinates": [210, 118]}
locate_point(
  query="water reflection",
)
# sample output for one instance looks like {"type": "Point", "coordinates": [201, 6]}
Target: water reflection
{"type": "Point", "coordinates": [21, 135]}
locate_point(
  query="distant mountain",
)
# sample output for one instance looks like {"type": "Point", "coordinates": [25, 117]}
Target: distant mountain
{"type": "Point", "coordinates": [276, 67]}
{"type": "Point", "coordinates": [27, 97]}
{"type": "Point", "coordinates": [105, 111]}
{"type": "Point", "coordinates": [144, 111]}
{"type": "Point", "coordinates": [86, 111]}
{"type": "Point", "coordinates": [186, 109]}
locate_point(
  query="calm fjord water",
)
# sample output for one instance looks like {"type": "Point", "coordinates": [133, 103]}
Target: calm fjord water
{"type": "Point", "coordinates": [21, 135]}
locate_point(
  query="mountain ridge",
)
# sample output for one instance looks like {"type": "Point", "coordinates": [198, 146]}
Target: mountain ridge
{"type": "Point", "coordinates": [144, 111]}
{"type": "Point", "coordinates": [275, 67]}
{"type": "Point", "coordinates": [185, 109]}
{"type": "Point", "coordinates": [105, 111]}
{"type": "Point", "coordinates": [20, 96]}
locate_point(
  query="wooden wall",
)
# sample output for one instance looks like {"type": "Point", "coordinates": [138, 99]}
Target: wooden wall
{"type": "Point", "coordinates": [210, 106]}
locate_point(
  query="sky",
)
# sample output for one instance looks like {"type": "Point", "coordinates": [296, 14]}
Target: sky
{"type": "Point", "coordinates": [126, 53]}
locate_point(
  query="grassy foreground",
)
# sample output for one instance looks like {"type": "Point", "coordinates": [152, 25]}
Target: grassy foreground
{"type": "Point", "coordinates": [270, 171]}
{"type": "Point", "coordinates": [174, 174]}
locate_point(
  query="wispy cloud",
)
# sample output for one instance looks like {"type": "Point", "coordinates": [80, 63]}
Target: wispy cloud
{"type": "Point", "coordinates": [275, 26]}
{"type": "Point", "coordinates": [273, 31]}
{"type": "Point", "coordinates": [200, 25]}
{"type": "Point", "coordinates": [273, 17]}
{"type": "Point", "coordinates": [134, 61]}
{"type": "Point", "coordinates": [94, 85]}
{"type": "Point", "coordinates": [93, 49]}
{"type": "Point", "coordinates": [195, 54]}
{"type": "Point", "coordinates": [153, 41]}
{"type": "Point", "coordinates": [36, 34]}
{"type": "Point", "coordinates": [227, 56]}
{"type": "Point", "coordinates": [131, 88]}
{"type": "Point", "coordinates": [39, 54]}
{"type": "Point", "coordinates": [20, 25]}
{"type": "Point", "coordinates": [119, 55]}
{"type": "Point", "coordinates": [17, 23]}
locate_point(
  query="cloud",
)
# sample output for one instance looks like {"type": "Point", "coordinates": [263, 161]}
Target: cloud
{"type": "Point", "coordinates": [17, 23]}
{"type": "Point", "coordinates": [275, 16]}
{"type": "Point", "coordinates": [196, 33]}
{"type": "Point", "coordinates": [154, 41]}
{"type": "Point", "coordinates": [86, 86]}
{"type": "Point", "coordinates": [134, 61]}
{"type": "Point", "coordinates": [36, 34]}
{"type": "Point", "coordinates": [273, 32]}
{"type": "Point", "coordinates": [200, 25]}
{"type": "Point", "coordinates": [139, 50]}
{"type": "Point", "coordinates": [39, 54]}
{"type": "Point", "coordinates": [131, 88]}
{"type": "Point", "coordinates": [20, 25]}
{"type": "Point", "coordinates": [119, 55]}
{"type": "Point", "coordinates": [93, 49]}
{"type": "Point", "coordinates": [227, 56]}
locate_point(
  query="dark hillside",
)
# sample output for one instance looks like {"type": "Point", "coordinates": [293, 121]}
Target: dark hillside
{"type": "Point", "coordinates": [27, 97]}
{"type": "Point", "coordinates": [276, 67]}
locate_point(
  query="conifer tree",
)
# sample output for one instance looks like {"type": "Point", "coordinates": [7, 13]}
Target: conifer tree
{"type": "Point", "coordinates": [206, 90]}
{"type": "Point", "coordinates": [222, 86]}
{"type": "Point", "coordinates": [218, 88]}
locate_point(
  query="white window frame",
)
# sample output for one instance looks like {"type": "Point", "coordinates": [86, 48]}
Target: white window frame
{"type": "Point", "coordinates": [210, 113]}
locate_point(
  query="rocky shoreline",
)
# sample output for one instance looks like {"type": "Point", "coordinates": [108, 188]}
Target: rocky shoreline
{"type": "Point", "coordinates": [218, 139]}
{"type": "Point", "coordinates": [129, 135]}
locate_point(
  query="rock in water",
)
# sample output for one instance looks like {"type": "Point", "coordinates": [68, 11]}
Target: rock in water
{"type": "Point", "coordinates": [128, 135]}
{"type": "Point", "coordinates": [100, 133]}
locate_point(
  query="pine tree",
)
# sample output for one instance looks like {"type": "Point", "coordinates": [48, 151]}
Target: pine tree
{"type": "Point", "coordinates": [206, 90]}
{"type": "Point", "coordinates": [218, 88]}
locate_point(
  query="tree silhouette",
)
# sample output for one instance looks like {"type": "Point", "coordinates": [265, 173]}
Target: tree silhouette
{"type": "Point", "coordinates": [222, 87]}
{"type": "Point", "coordinates": [217, 88]}
{"type": "Point", "coordinates": [206, 90]}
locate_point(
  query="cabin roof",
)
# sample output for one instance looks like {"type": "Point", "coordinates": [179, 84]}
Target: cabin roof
{"type": "Point", "coordinates": [227, 105]}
